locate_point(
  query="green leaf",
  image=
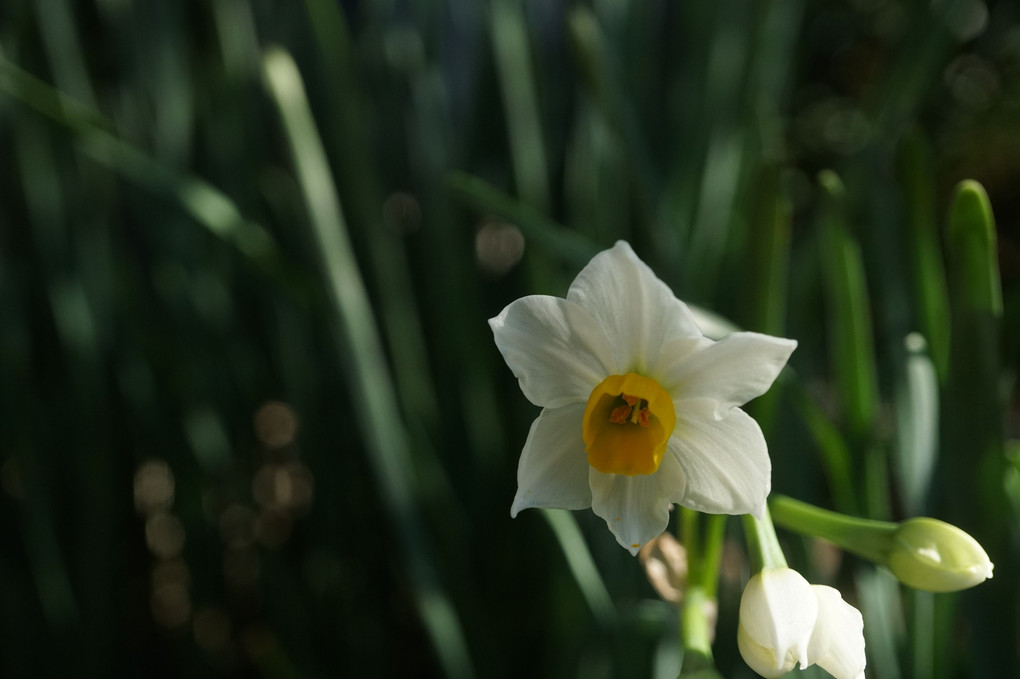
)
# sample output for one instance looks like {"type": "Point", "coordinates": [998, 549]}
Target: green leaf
{"type": "Point", "coordinates": [367, 370]}
{"type": "Point", "coordinates": [599, 72]}
{"type": "Point", "coordinates": [931, 299]}
{"type": "Point", "coordinates": [520, 101]}
{"type": "Point", "coordinates": [973, 464]}
{"type": "Point", "coordinates": [973, 422]}
{"type": "Point", "coordinates": [835, 452]}
{"type": "Point", "coordinates": [884, 627]}
{"type": "Point", "coordinates": [852, 353]}
{"type": "Point", "coordinates": [973, 250]}
{"type": "Point", "coordinates": [768, 263]}
{"type": "Point", "coordinates": [582, 565]}
{"type": "Point", "coordinates": [94, 138]}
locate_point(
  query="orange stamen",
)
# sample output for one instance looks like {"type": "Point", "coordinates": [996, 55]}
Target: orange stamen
{"type": "Point", "coordinates": [620, 415]}
{"type": "Point", "coordinates": [642, 417]}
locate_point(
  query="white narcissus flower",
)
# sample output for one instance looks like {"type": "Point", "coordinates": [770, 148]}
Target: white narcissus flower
{"type": "Point", "coordinates": [639, 408]}
{"type": "Point", "coordinates": [837, 643]}
{"type": "Point", "coordinates": [778, 612]}
{"type": "Point", "coordinates": [785, 620]}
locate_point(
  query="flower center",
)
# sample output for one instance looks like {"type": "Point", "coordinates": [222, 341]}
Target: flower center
{"type": "Point", "coordinates": [627, 423]}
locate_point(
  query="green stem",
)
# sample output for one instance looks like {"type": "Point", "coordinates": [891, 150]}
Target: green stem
{"type": "Point", "coordinates": [703, 557]}
{"type": "Point", "coordinates": [869, 539]}
{"type": "Point", "coordinates": [714, 535]}
{"type": "Point", "coordinates": [690, 537]}
{"type": "Point", "coordinates": [762, 543]}
{"type": "Point", "coordinates": [695, 630]}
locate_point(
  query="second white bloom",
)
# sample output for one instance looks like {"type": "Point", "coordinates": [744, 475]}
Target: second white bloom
{"type": "Point", "coordinates": [785, 620]}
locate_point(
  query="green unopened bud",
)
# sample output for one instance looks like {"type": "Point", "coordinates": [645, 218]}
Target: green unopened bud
{"type": "Point", "coordinates": [935, 556]}
{"type": "Point", "coordinates": [923, 553]}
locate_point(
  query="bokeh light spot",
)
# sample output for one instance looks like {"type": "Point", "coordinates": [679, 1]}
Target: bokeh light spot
{"type": "Point", "coordinates": [973, 83]}
{"type": "Point", "coordinates": [154, 487]}
{"type": "Point", "coordinates": [498, 247]}
{"type": "Point", "coordinates": [276, 424]}
{"type": "Point", "coordinates": [287, 487]}
{"type": "Point", "coordinates": [164, 535]}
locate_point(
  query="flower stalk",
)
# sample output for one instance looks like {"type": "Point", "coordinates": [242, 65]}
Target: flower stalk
{"type": "Point", "coordinates": [762, 543]}
{"type": "Point", "coordinates": [923, 553]}
{"type": "Point", "coordinates": [871, 540]}
{"type": "Point", "coordinates": [695, 630]}
{"type": "Point", "coordinates": [697, 621]}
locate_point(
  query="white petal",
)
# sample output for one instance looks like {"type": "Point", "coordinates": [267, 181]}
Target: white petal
{"type": "Point", "coordinates": [726, 462]}
{"type": "Point", "coordinates": [636, 508]}
{"type": "Point", "coordinates": [760, 659]}
{"type": "Point", "coordinates": [553, 471]}
{"type": "Point", "coordinates": [555, 348]}
{"type": "Point", "coordinates": [637, 311]}
{"type": "Point", "coordinates": [778, 611]}
{"type": "Point", "coordinates": [731, 371]}
{"type": "Point", "coordinates": [837, 644]}
{"type": "Point", "coordinates": [673, 355]}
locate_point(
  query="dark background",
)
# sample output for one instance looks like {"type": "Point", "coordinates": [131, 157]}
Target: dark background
{"type": "Point", "coordinates": [252, 421]}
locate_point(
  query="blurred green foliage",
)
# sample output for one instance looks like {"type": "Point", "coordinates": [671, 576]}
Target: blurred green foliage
{"type": "Point", "coordinates": [253, 423]}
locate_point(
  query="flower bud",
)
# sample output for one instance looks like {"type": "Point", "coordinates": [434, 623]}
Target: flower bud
{"type": "Point", "coordinates": [778, 611]}
{"type": "Point", "coordinates": [935, 556]}
{"type": "Point", "coordinates": [785, 620]}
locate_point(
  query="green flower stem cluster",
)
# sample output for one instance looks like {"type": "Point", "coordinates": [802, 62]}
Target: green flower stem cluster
{"type": "Point", "coordinates": [923, 553]}
{"type": "Point", "coordinates": [704, 550]}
